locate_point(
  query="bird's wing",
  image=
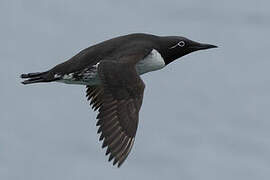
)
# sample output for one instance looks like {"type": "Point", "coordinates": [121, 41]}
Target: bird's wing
{"type": "Point", "coordinates": [119, 112]}
{"type": "Point", "coordinates": [94, 94]}
{"type": "Point", "coordinates": [118, 100]}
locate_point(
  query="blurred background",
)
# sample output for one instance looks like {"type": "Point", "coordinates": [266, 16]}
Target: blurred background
{"type": "Point", "coordinates": [204, 117]}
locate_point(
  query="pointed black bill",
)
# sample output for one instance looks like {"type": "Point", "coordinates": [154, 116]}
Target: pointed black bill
{"type": "Point", "coordinates": [204, 46]}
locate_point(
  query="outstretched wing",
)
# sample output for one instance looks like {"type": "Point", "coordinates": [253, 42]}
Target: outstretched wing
{"type": "Point", "coordinates": [119, 113]}
{"type": "Point", "coordinates": [118, 100]}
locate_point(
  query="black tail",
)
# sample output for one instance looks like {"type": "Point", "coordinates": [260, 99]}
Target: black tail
{"type": "Point", "coordinates": [38, 77]}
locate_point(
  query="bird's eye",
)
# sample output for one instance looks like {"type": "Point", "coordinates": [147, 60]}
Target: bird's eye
{"type": "Point", "coordinates": [181, 44]}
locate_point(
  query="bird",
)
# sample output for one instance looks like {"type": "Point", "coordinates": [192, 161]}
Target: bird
{"type": "Point", "coordinates": [111, 72]}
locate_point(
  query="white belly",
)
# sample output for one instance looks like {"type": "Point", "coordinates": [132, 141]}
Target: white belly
{"type": "Point", "coordinates": [151, 62]}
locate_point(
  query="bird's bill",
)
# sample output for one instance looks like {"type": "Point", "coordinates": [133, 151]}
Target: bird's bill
{"type": "Point", "coordinates": [200, 46]}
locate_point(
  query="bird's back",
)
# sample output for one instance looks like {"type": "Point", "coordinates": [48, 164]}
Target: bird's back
{"type": "Point", "coordinates": [93, 54]}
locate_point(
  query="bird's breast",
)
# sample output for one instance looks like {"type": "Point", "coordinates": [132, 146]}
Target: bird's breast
{"type": "Point", "coordinates": [151, 62]}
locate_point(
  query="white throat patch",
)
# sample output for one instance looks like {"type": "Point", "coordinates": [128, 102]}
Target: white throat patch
{"type": "Point", "coordinates": [152, 62]}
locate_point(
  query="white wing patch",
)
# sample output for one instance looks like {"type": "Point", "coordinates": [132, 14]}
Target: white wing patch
{"type": "Point", "coordinates": [57, 76]}
{"type": "Point", "coordinates": [87, 76]}
{"type": "Point", "coordinates": [68, 76]}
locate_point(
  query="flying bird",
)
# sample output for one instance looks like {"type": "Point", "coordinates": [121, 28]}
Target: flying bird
{"type": "Point", "coordinates": [111, 73]}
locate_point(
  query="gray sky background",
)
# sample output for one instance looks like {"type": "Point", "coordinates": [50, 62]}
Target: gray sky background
{"type": "Point", "coordinates": [206, 118]}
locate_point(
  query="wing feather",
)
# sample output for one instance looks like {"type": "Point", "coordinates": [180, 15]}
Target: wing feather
{"type": "Point", "coordinates": [118, 100]}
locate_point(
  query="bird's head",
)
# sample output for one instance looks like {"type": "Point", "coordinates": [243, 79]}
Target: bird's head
{"type": "Point", "coordinates": [174, 47]}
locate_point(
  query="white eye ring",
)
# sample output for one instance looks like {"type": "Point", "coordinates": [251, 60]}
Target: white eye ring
{"type": "Point", "coordinates": [181, 43]}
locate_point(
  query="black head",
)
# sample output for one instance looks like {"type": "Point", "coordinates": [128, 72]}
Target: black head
{"type": "Point", "coordinates": [174, 47]}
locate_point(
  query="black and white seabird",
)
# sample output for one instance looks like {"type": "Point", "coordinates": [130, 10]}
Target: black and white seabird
{"type": "Point", "coordinates": [111, 72]}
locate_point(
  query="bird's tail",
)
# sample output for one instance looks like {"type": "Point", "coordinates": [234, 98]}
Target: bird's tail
{"type": "Point", "coordinates": [38, 77]}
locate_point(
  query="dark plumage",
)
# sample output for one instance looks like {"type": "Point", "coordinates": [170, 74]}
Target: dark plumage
{"type": "Point", "coordinates": [111, 72]}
